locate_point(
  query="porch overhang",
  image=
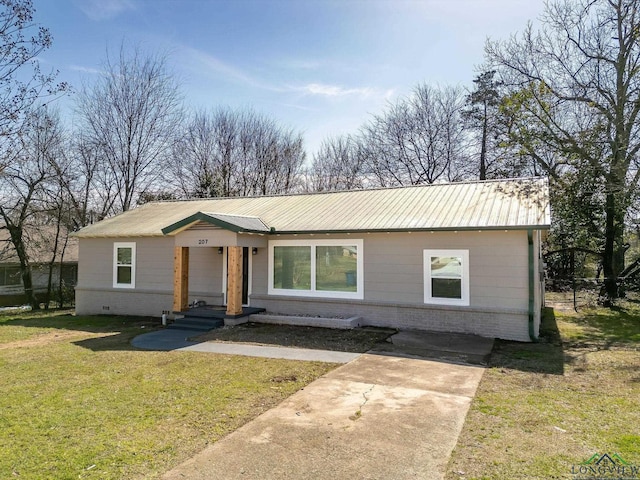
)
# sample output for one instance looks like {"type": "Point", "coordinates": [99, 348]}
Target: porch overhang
{"type": "Point", "coordinates": [232, 223]}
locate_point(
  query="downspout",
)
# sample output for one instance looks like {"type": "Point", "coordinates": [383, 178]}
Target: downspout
{"type": "Point", "coordinates": [532, 334]}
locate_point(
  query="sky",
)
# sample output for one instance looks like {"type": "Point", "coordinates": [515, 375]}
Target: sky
{"type": "Point", "coordinates": [321, 67]}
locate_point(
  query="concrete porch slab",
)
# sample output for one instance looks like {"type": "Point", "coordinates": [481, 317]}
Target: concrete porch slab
{"type": "Point", "coordinates": [457, 347]}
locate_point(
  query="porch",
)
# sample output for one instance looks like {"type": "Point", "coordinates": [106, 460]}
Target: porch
{"type": "Point", "coordinates": [237, 239]}
{"type": "Point", "coordinates": [206, 317]}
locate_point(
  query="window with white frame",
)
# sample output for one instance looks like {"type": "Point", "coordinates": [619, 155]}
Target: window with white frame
{"type": "Point", "coordinates": [446, 277]}
{"type": "Point", "coordinates": [316, 268]}
{"type": "Point", "coordinates": [124, 265]}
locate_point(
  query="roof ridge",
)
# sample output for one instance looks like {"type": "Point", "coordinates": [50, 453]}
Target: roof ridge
{"type": "Point", "coordinates": [231, 214]}
{"type": "Point", "coordinates": [370, 189]}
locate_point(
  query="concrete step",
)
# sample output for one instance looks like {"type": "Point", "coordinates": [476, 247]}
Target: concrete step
{"type": "Point", "coordinates": [323, 322]}
{"type": "Point", "coordinates": [199, 324]}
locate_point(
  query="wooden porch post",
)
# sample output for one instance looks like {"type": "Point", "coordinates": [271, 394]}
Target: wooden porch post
{"type": "Point", "coordinates": [234, 281]}
{"type": "Point", "coordinates": [180, 278]}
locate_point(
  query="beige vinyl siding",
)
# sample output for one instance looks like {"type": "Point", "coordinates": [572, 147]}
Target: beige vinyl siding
{"type": "Point", "coordinates": [393, 265]}
{"type": "Point", "coordinates": [393, 281]}
{"type": "Point", "coordinates": [260, 269]}
{"type": "Point", "coordinates": [153, 292]}
{"type": "Point", "coordinates": [205, 271]}
{"type": "Point", "coordinates": [498, 266]}
{"type": "Point", "coordinates": [153, 271]}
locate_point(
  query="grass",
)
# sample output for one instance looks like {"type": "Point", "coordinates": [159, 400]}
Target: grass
{"type": "Point", "coordinates": [78, 402]}
{"type": "Point", "coordinates": [543, 408]}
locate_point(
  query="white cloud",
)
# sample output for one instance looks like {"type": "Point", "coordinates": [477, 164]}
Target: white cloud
{"type": "Point", "coordinates": [333, 91]}
{"type": "Point", "coordinates": [80, 68]}
{"type": "Point", "coordinates": [104, 9]}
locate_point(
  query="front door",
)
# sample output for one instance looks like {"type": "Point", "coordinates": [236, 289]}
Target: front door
{"type": "Point", "coordinates": [246, 275]}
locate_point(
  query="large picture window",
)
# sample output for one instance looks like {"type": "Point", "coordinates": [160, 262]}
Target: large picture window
{"type": "Point", "coordinates": [446, 277]}
{"type": "Point", "coordinates": [320, 268]}
{"type": "Point", "coordinates": [124, 265]}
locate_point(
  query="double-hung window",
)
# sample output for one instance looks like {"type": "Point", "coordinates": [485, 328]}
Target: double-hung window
{"type": "Point", "coordinates": [446, 277]}
{"type": "Point", "coordinates": [124, 265]}
{"type": "Point", "coordinates": [316, 268]}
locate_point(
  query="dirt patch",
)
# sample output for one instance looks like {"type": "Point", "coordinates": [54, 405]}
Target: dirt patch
{"type": "Point", "coordinates": [357, 340]}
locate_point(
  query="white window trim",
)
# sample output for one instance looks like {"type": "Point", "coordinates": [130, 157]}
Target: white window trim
{"type": "Point", "coordinates": [132, 246]}
{"type": "Point", "coordinates": [428, 298]}
{"type": "Point", "coordinates": [358, 243]}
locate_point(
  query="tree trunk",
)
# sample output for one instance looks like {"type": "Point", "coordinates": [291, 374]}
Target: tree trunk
{"type": "Point", "coordinates": [60, 279]}
{"type": "Point", "coordinates": [613, 253]}
{"type": "Point", "coordinates": [25, 269]}
{"type": "Point", "coordinates": [47, 298]}
{"type": "Point", "coordinates": [483, 147]}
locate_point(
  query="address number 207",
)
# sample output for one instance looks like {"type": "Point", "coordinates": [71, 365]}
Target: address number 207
{"type": "Point", "coordinates": [203, 241]}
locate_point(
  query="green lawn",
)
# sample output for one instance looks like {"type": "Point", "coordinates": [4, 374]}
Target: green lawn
{"type": "Point", "coordinates": [542, 409]}
{"type": "Point", "coordinates": [78, 402]}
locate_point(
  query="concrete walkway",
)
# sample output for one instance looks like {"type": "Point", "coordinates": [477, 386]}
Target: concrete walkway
{"type": "Point", "coordinates": [167, 339]}
{"type": "Point", "coordinates": [385, 415]}
{"type": "Point", "coordinates": [378, 417]}
{"type": "Point", "coordinates": [286, 353]}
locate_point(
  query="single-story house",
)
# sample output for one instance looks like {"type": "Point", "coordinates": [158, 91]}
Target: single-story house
{"type": "Point", "coordinates": [39, 245]}
{"type": "Point", "coordinates": [460, 257]}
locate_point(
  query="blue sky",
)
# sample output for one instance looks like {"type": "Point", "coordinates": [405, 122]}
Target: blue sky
{"type": "Point", "coordinates": [321, 67]}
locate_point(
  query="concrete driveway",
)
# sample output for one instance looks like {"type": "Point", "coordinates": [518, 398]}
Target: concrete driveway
{"type": "Point", "coordinates": [377, 417]}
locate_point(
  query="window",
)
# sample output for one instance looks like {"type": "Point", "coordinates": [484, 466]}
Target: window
{"type": "Point", "coordinates": [292, 268]}
{"type": "Point", "coordinates": [317, 268]}
{"type": "Point", "coordinates": [10, 276]}
{"type": "Point", "coordinates": [446, 277]}
{"type": "Point", "coordinates": [124, 265]}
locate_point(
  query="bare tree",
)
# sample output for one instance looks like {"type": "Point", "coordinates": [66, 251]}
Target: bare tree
{"type": "Point", "coordinates": [21, 79]}
{"type": "Point", "coordinates": [129, 119]}
{"type": "Point", "coordinates": [24, 184]}
{"type": "Point", "coordinates": [420, 139]}
{"type": "Point", "coordinates": [230, 153]}
{"type": "Point", "coordinates": [575, 88]}
{"type": "Point", "coordinates": [337, 165]}
{"type": "Point", "coordinates": [271, 159]}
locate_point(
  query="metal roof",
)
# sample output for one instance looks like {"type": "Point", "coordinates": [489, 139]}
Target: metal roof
{"type": "Point", "coordinates": [495, 204]}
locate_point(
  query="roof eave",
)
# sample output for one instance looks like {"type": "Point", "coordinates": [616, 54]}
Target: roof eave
{"type": "Point", "coordinates": [410, 230]}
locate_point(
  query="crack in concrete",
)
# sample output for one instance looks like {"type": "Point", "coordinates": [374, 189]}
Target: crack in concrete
{"type": "Point", "coordinates": [358, 413]}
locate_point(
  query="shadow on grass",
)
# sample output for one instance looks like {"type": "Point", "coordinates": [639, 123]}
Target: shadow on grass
{"type": "Point", "coordinates": [619, 324]}
{"type": "Point", "coordinates": [118, 341]}
{"type": "Point", "coordinates": [546, 356]}
{"type": "Point", "coordinates": [107, 332]}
